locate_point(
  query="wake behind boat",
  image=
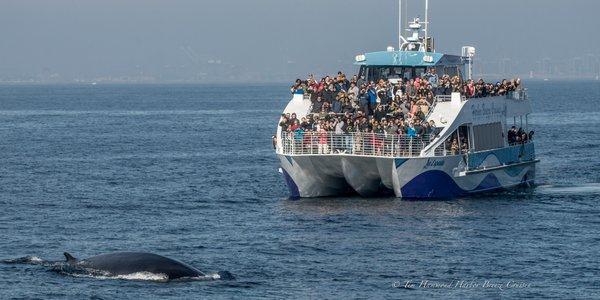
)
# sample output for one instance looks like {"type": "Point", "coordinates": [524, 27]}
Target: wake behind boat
{"type": "Point", "coordinates": [412, 122]}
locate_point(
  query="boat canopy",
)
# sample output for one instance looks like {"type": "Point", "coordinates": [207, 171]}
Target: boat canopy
{"type": "Point", "coordinates": [395, 65]}
{"type": "Point", "coordinates": [408, 59]}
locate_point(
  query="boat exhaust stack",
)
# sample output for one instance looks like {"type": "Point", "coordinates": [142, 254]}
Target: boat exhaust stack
{"type": "Point", "coordinates": [468, 52]}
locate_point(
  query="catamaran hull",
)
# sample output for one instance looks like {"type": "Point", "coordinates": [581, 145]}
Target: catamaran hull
{"type": "Point", "coordinates": [413, 178]}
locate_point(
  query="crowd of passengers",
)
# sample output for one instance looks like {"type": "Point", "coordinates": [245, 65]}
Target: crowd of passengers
{"type": "Point", "coordinates": [343, 105]}
{"type": "Point", "coordinates": [399, 107]}
{"type": "Point", "coordinates": [518, 136]}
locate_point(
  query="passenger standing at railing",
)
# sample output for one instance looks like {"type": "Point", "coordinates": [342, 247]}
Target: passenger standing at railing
{"type": "Point", "coordinates": [411, 132]}
{"type": "Point", "coordinates": [322, 147]}
{"type": "Point", "coordinates": [456, 84]}
{"type": "Point", "coordinates": [337, 140]}
{"type": "Point", "coordinates": [428, 130]}
{"type": "Point", "coordinates": [480, 89]}
{"type": "Point", "coordinates": [454, 147]}
{"type": "Point", "coordinates": [294, 125]}
{"type": "Point", "coordinates": [298, 140]}
{"type": "Point", "coordinates": [284, 123]}
{"type": "Point", "coordinates": [445, 86]}
{"type": "Point", "coordinates": [347, 131]}
{"type": "Point", "coordinates": [512, 135]}
{"type": "Point", "coordinates": [378, 135]}
{"type": "Point", "coordinates": [464, 148]}
{"type": "Point", "coordinates": [469, 89]}
{"type": "Point", "coordinates": [297, 88]}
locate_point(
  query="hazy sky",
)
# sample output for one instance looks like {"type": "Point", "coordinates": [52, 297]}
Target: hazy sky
{"type": "Point", "coordinates": [176, 38]}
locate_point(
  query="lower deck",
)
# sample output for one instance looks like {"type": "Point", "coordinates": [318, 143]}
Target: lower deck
{"type": "Point", "coordinates": [320, 175]}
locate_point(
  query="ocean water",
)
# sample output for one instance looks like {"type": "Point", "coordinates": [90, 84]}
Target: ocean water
{"type": "Point", "coordinates": [188, 171]}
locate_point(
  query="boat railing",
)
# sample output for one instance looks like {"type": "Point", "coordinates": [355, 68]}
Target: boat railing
{"type": "Point", "coordinates": [359, 143]}
{"type": "Point", "coordinates": [519, 94]}
{"type": "Point", "coordinates": [442, 98]}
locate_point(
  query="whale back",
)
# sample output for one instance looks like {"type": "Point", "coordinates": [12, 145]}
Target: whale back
{"type": "Point", "coordinates": [123, 263]}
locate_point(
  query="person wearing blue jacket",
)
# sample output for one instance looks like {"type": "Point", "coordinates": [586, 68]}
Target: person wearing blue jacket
{"type": "Point", "coordinates": [298, 139]}
{"type": "Point", "coordinates": [372, 95]}
{"type": "Point", "coordinates": [411, 131]}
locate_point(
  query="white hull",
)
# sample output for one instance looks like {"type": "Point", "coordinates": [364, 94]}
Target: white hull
{"type": "Point", "coordinates": [419, 177]}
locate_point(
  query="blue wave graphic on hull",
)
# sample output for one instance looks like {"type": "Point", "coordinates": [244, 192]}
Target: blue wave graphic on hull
{"type": "Point", "coordinates": [504, 156]}
{"type": "Point", "coordinates": [438, 184]}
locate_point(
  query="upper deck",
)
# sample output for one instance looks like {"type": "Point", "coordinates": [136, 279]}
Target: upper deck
{"type": "Point", "coordinates": [480, 122]}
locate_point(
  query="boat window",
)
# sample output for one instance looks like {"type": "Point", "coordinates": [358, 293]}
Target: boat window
{"type": "Point", "coordinates": [393, 72]}
{"type": "Point", "coordinates": [413, 47]}
{"type": "Point", "coordinates": [439, 70]}
{"type": "Point", "coordinates": [372, 76]}
{"type": "Point", "coordinates": [362, 72]}
{"type": "Point", "coordinates": [388, 72]}
{"type": "Point", "coordinates": [488, 136]}
{"type": "Point", "coordinates": [451, 71]}
{"type": "Point", "coordinates": [459, 141]}
{"type": "Point", "coordinates": [464, 133]}
{"type": "Point", "coordinates": [420, 72]}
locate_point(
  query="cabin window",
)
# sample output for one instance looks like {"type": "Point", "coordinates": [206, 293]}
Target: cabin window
{"type": "Point", "coordinates": [391, 73]}
{"type": "Point", "coordinates": [451, 71]}
{"type": "Point", "coordinates": [362, 72]}
{"type": "Point", "coordinates": [439, 70]}
{"type": "Point", "coordinates": [420, 72]}
{"type": "Point", "coordinates": [488, 136]}
{"type": "Point", "coordinates": [374, 73]}
{"type": "Point", "coordinates": [459, 142]}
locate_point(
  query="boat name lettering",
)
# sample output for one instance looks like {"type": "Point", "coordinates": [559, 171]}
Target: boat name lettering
{"type": "Point", "coordinates": [483, 110]}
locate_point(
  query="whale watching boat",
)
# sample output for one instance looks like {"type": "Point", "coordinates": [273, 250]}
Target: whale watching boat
{"type": "Point", "coordinates": [471, 144]}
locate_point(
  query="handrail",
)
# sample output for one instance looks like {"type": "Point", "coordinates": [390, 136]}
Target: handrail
{"type": "Point", "coordinates": [358, 143]}
{"type": "Point", "coordinates": [519, 94]}
{"type": "Point", "coordinates": [442, 98]}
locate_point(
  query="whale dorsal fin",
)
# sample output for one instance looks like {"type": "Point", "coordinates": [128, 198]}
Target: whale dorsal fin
{"type": "Point", "coordinates": [69, 257]}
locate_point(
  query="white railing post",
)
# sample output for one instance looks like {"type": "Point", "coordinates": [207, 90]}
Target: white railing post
{"type": "Point", "coordinates": [312, 142]}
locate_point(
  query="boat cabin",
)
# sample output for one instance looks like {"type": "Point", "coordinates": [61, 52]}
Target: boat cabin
{"type": "Point", "coordinates": [393, 65]}
{"type": "Point", "coordinates": [416, 56]}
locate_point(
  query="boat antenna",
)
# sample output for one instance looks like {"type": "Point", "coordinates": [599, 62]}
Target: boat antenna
{"type": "Point", "coordinates": [400, 24]}
{"type": "Point", "coordinates": [426, 23]}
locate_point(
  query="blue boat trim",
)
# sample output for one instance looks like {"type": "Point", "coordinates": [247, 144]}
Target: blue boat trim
{"type": "Point", "coordinates": [505, 156]}
{"type": "Point", "coordinates": [292, 186]}
{"type": "Point", "coordinates": [399, 161]}
{"type": "Point", "coordinates": [438, 184]}
{"type": "Point", "coordinates": [409, 59]}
